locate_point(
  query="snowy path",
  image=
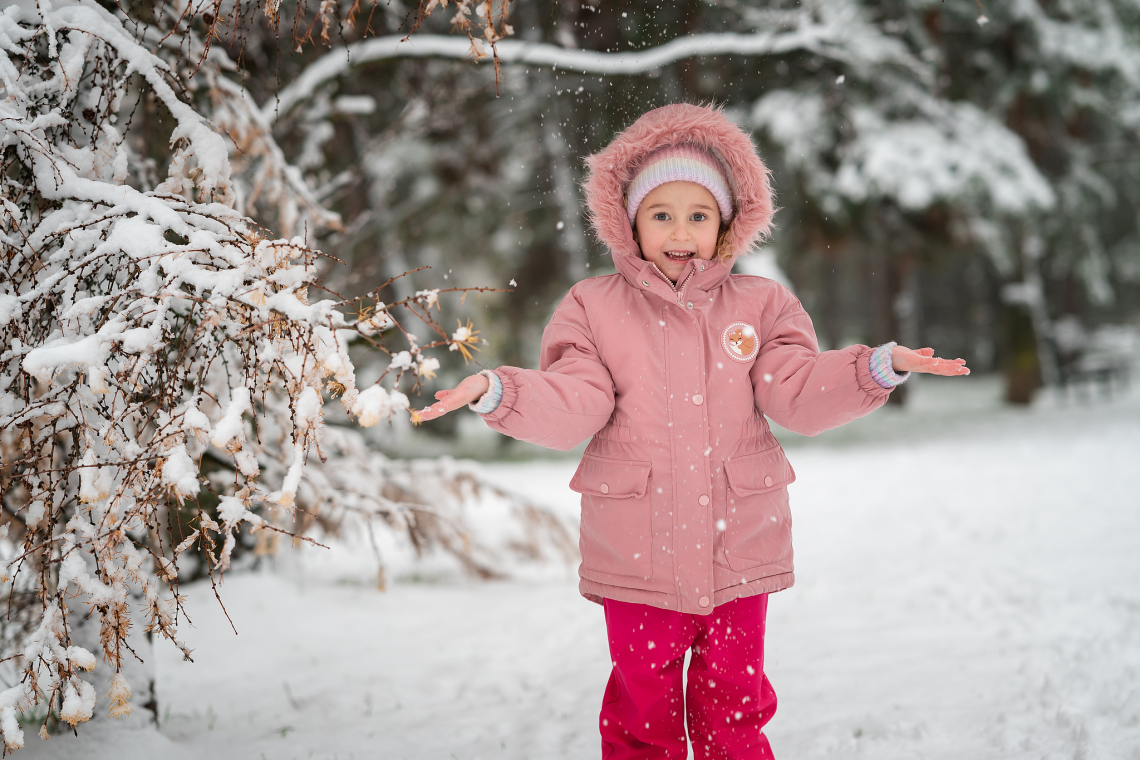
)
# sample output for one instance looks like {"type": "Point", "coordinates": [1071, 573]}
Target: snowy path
{"type": "Point", "coordinates": [999, 620]}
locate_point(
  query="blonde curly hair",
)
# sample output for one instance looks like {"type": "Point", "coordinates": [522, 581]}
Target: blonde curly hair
{"type": "Point", "coordinates": [724, 244]}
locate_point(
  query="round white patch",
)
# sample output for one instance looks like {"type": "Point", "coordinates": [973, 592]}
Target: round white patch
{"type": "Point", "coordinates": [740, 342]}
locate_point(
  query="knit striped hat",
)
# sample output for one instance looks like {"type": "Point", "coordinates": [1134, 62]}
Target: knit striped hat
{"type": "Point", "coordinates": [679, 163]}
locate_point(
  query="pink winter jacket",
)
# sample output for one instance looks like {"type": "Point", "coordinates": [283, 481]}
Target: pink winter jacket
{"type": "Point", "coordinates": [684, 488]}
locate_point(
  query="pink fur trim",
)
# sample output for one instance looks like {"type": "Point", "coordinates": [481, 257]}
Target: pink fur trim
{"type": "Point", "coordinates": [610, 171]}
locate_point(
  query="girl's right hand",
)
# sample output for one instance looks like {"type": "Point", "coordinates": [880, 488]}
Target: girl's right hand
{"type": "Point", "coordinates": [467, 392]}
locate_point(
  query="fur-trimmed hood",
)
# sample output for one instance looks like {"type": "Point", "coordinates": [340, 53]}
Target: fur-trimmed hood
{"type": "Point", "coordinates": [610, 172]}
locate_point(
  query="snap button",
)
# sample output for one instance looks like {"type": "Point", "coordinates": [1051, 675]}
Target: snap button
{"type": "Point", "coordinates": [767, 480]}
{"type": "Point", "coordinates": [698, 399]}
{"type": "Point", "coordinates": [645, 283]}
{"type": "Point", "coordinates": [704, 500]}
{"type": "Point", "coordinates": [690, 304]}
{"type": "Point", "coordinates": [703, 601]}
{"type": "Point", "coordinates": [606, 489]}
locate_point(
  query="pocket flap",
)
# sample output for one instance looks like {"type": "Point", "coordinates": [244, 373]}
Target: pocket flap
{"type": "Point", "coordinates": [757, 473]}
{"type": "Point", "coordinates": [612, 478]}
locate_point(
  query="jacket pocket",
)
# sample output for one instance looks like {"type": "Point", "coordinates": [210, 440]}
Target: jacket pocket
{"type": "Point", "coordinates": [758, 523]}
{"type": "Point", "coordinates": [616, 534]}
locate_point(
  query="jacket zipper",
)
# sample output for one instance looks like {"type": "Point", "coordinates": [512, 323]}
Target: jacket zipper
{"type": "Point", "coordinates": [685, 284]}
{"type": "Point", "coordinates": [680, 291]}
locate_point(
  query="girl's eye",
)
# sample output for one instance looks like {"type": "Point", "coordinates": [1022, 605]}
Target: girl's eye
{"type": "Point", "coordinates": [699, 217]}
{"type": "Point", "coordinates": [661, 216]}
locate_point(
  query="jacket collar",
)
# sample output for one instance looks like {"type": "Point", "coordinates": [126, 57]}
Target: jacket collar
{"type": "Point", "coordinates": [637, 271]}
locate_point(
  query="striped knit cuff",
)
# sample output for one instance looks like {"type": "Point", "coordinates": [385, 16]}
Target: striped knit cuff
{"type": "Point", "coordinates": [882, 370]}
{"type": "Point", "coordinates": [490, 400]}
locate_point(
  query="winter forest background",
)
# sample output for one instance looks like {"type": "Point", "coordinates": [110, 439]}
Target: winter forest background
{"type": "Point", "coordinates": [243, 240]}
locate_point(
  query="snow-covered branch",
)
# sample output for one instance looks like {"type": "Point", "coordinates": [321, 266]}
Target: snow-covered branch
{"type": "Point", "coordinates": [827, 40]}
{"type": "Point", "coordinates": [946, 153]}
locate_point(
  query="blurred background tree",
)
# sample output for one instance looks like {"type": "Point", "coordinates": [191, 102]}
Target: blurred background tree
{"type": "Point", "coordinates": [949, 173]}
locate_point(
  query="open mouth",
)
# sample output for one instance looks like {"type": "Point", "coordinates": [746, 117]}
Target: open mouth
{"type": "Point", "coordinates": [679, 255]}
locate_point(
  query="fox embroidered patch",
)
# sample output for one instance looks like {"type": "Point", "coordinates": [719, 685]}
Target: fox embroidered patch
{"type": "Point", "coordinates": [740, 342]}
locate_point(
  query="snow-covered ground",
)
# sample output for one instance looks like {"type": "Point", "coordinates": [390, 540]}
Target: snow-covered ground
{"type": "Point", "coordinates": [968, 587]}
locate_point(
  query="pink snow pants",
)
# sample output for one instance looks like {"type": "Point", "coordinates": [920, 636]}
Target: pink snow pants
{"type": "Point", "coordinates": [728, 700]}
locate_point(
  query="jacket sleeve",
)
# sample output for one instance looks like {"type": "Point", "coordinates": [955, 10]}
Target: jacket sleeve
{"type": "Point", "coordinates": [805, 390]}
{"type": "Point", "coordinates": [569, 398]}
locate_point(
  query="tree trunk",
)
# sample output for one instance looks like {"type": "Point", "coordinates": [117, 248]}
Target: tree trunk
{"type": "Point", "coordinates": [1020, 363]}
{"type": "Point", "coordinates": [906, 306]}
{"type": "Point", "coordinates": [565, 184]}
{"type": "Point", "coordinates": [894, 285]}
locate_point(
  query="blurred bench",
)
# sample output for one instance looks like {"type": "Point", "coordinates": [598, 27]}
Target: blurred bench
{"type": "Point", "coordinates": [1094, 370]}
{"type": "Point", "coordinates": [1088, 362]}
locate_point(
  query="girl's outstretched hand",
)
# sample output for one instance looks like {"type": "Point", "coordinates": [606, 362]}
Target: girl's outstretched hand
{"type": "Point", "coordinates": [467, 392]}
{"type": "Point", "coordinates": [923, 360]}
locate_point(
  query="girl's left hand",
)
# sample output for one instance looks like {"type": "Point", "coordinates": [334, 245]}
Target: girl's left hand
{"type": "Point", "coordinates": [923, 360]}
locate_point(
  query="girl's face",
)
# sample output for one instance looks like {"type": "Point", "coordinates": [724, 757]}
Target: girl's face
{"type": "Point", "coordinates": [676, 222]}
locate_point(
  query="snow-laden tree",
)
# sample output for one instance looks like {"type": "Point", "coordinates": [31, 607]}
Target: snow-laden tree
{"type": "Point", "coordinates": [165, 362]}
{"type": "Point", "coordinates": [993, 129]}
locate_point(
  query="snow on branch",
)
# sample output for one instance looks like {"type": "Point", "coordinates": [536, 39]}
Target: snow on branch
{"type": "Point", "coordinates": [830, 40]}
{"type": "Point", "coordinates": [946, 152]}
{"type": "Point", "coordinates": [922, 162]}
{"type": "Point", "coordinates": [206, 145]}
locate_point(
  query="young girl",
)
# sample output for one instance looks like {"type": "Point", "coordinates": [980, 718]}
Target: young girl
{"type": "Point", "coordinates": [673, 366]}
